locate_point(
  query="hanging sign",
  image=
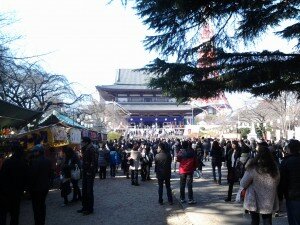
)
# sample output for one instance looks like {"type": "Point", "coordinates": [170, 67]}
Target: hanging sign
{"type": "Point", "coordinates": [75, 136]}
{"type": "Point", "coordinates": [59, 133]}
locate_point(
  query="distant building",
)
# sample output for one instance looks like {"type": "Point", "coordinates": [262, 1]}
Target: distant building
{"type": "Point", "coordinates": [147, 107]}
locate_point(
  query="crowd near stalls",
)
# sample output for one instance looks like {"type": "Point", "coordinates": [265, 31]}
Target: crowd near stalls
{"type": "Point", "coordinates": [33, 161]}
{"type": "Point", "coordinates": [266, 171]}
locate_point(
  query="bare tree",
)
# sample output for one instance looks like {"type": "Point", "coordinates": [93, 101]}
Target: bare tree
{"type": "Point", "coordinates": [277, 114]}
{"type": "Point", "coordinates": [258, 113]}
{"type": "Point", "coordinates": [285, 110]}
{"type": "Point", "coordinates": [30, 87]}
{"type": "Point", "coordinates": [101, 116]}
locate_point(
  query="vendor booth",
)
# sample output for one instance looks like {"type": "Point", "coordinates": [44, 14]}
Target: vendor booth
{"type": "Point", "coordinates": [13, 117]}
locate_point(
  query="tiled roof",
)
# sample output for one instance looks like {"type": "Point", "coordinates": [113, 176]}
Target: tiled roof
{"type": "Point", "coordinates": [132, 77]}
{"type": "Point", "coordinates": [56, 117]}
{"type": "Point", "coordinates": [136, 87]}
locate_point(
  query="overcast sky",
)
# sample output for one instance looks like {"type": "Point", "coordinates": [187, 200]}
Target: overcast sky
{"type": "Point", "coordinates": [87, 41]}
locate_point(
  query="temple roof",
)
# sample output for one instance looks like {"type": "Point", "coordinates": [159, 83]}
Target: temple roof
{"type": "Point", "coordinates": [129, 79]}
{"type": "Point", "coordinates": [123, 86]}
{"type": "Point", "coordinates": [132, 77]}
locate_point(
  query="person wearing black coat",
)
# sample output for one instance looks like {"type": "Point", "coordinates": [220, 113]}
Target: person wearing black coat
{"type": "Point", "coordinates": [163, 161]}
{"type": "Point", "coordinates": [206, 145]}
{"type": "Point", "coordinates": [39, 183]}
{"type": "Point", "coordinates": [89, 167]}
{"type": "Point", "coordinates": [71, 163]}
{"type": "Point", "coordinates": [12, 184]}
{"type": "Point", "coordinates": [289, 184]}
{"type": "Point", "coordinates": [65, 178]}
{"type": "Point", "coordinates": [150, 157]}
{"type": "Point", "coordinates": [232, 159]}
{"type": "Point", "coordinates": [216, 160]}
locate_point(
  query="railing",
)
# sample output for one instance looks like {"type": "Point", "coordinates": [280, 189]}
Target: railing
{"type": "Point", "coordinates": [146, 99]}
{"type": "Point", "coordinates": [132, 132]}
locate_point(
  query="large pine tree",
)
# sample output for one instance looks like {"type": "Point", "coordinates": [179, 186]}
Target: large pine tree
{"type": "Point", "coordinates": [178, 25]}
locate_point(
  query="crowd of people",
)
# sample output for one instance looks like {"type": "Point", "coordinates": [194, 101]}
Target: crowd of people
{"type": "Point", "coordinates": [266, 172]}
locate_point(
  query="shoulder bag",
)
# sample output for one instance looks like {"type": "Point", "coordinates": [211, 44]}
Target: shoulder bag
{"type": "Point", "coordinates": [75, 174]}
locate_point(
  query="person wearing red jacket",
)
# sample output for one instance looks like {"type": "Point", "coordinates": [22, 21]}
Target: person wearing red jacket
{"type": "Point", "coordinates": [187, 164]}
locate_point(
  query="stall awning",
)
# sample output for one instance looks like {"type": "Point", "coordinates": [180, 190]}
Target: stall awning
{"type": "Point", "coordinates": [55, 117]}
{"type": "Point", "coordinates": [15, 116]}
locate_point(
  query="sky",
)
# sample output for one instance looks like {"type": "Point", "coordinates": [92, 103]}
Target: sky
{"type": "Point", "coordinates": [86, 40]}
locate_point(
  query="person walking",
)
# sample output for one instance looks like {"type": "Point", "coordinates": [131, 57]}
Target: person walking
{"type": "Point", "coordinates": [260, 182]}
{"type": "Point", "coordinates": [13, 177]}
{"type": "Point", "coordinates": [65, 177]}
{"type": "Point", "coordinates": [39, 183]}
{"type": "Point", "coordinates": [135, 166]}
{"type": "Point", "coordinates": [125, 159]}
{"type": "Point", "coordinates": [232, 159]}
{"type": "Point", "coordinates": [113, 160]}
{"type": "Point", "coordinates": [206, 145]}
{"type": "Point", "coordinates": [199, 155]}
{"type": "Point", "coordinates": [103, 161]}
{"type": "Point", "coordinates": [187, 165]}
{"type": "Point", "coordinates": [88, 175]}
{"type": "Point", "coordinates": [175, 149]}
{"type": "Point", "coordinates": [163, 161]}
{"type": "Point", "coordinates": [73, 162]}
{"type": "Point", "coordinates": [150, 157]}
{"type": "Point", "coordinates": [216, 160]}
{"type": "Point", "coordinates": [290, 181]}
{"type": "Point", "coordinates": [145, 162]}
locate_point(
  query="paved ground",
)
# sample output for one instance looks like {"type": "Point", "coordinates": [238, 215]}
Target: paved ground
{"type": "Point", "coordinates": [211, 209]}
{"type": "Point", "coordinates": [117, 202]}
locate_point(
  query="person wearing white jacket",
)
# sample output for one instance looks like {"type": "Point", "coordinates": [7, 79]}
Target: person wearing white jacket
{"type": "Point", "coordinates": [260, 181]}
{"type": "Point", "coordinates": [135, 166]}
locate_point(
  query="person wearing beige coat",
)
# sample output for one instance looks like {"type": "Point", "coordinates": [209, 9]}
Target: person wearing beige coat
{"type": "Point", "coordinates": [135, 166]}
{"type": "Point", "coordinates": [260, 181]}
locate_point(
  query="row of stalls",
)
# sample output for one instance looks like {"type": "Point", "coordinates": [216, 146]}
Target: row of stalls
{"type": "Point", "coordinates": [54, 132]}
{"type": "Point", "coordinates": [12, 119]}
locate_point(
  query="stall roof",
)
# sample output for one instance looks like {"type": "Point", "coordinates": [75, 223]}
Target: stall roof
{"type": "Point", "coordinates": [15, 116]}
{"type": "Point", "coordinates": [56, 117]}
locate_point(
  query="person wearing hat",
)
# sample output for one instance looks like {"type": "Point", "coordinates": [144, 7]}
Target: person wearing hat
{"type": "Point", "coordinates": [289, 184]}
{"type": "Point", "coordinates": [39, 183]}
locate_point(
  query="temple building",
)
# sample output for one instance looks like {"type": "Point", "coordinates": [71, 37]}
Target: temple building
{"type": "Point", "coordinates": [146, 106]}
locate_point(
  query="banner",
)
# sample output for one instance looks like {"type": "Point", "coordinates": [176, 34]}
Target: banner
{"type": "Point", "coordinates": [278, 135]}
{"type": "Point", "coordinates": [59, 133]}
{"type": "Point", "coordinates": [297, 133]}
{"type": "Point", "coordinates": [269, 136]}
{"type": "Point", "coordinates": [75, 136]}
